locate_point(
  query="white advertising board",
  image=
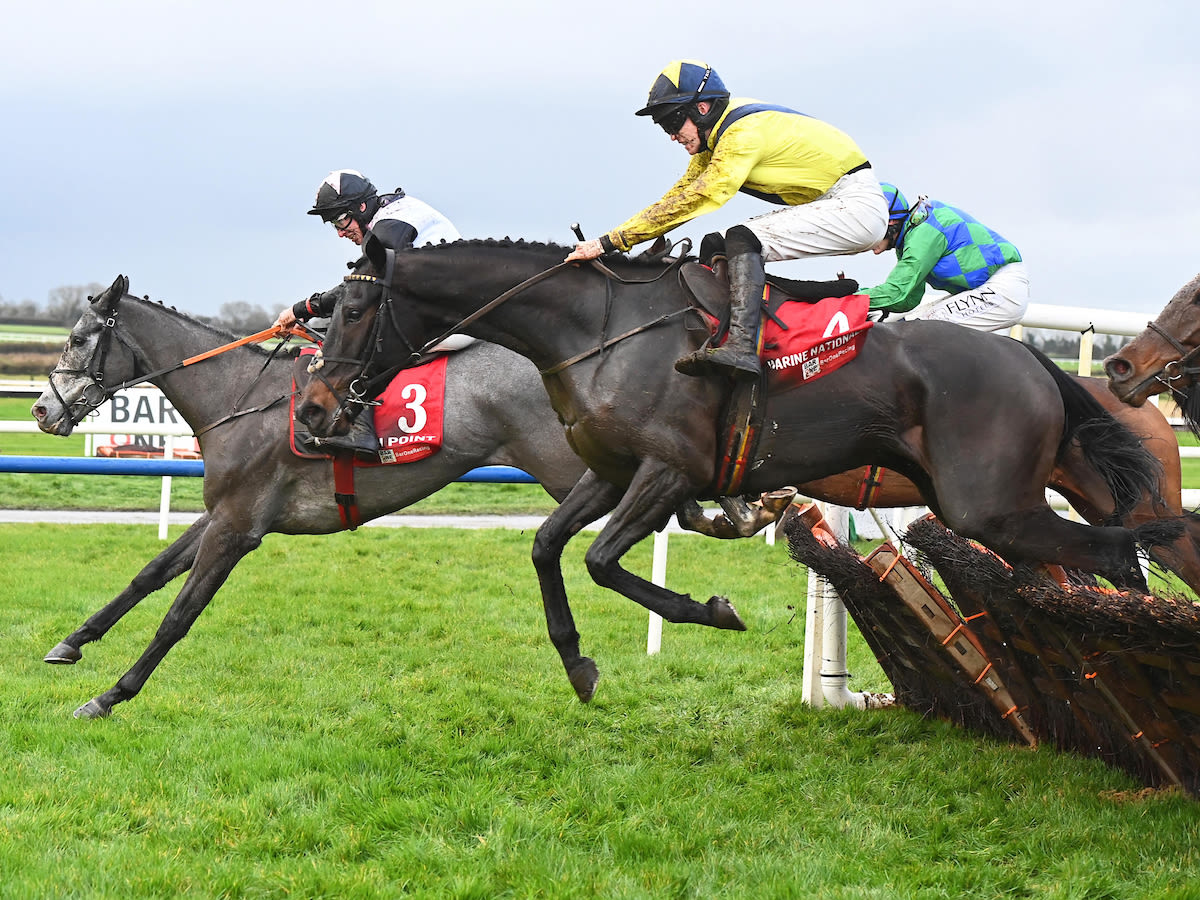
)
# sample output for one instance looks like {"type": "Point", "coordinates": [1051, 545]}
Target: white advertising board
{"type": "Point", "coordinates": [141, 416]}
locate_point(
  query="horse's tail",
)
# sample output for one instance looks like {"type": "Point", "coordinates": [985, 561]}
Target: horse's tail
{"type": "Point", "coordinates": [1131, 472]}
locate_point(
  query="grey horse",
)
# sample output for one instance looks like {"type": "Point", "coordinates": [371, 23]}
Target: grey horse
{"type": "Point", "coordinates": [497, 413]}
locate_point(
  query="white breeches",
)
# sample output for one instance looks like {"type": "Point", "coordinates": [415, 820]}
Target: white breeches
{"type": "Point", "coordinates": [999, 302]}
{"type": "Point", "coordinates": [850, 217]}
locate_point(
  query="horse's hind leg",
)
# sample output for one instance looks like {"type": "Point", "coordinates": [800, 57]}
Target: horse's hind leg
{"type": "Point", "coordinates": [221, 548]}
{"type": "Point", "coordinates": [1040, 535]}
{"type": "Point", "coordinates": [1088, 494]}
{"type": "Point", "coordinates": [1182, 556]}
{"type": "Point", "coordinates": [171, 563]}
{"type": "Point", "coordinates": [589, 500]}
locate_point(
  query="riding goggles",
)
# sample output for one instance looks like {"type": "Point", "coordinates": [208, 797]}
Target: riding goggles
{"type": "Point", "coordinates": [342, 222]}
{"type": "Point", "coordinates": [673, 121]}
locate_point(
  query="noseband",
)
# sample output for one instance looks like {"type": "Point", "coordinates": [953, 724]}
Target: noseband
{"type": "Point", "coordinates": [1176, 369]}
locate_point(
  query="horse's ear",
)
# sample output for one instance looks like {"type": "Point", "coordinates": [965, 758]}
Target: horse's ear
{"type": "Point", "coordinates": [106, 301]}
{"type": "Point", "coordinates": [376, 252]}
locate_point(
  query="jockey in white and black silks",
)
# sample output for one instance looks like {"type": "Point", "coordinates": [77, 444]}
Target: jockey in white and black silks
{"type": "Point", "coordinates": [980, 276]}
{"type": "Point", "coordinates": [832, 203]}
{"type": "Point", "coordinates": [347, 200]}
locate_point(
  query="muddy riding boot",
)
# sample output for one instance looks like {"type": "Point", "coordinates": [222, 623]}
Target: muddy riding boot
{"type": "Point", "coordinates": [360, 438]}
{"type": "Point", "coordinates": [738, 356]}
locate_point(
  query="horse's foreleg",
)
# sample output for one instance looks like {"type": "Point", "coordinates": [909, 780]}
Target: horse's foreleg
{"type": "Point", "coordinates": [653, 494]}
{"type": "Point", "coordinates": [160, 571]}
{"type": "Point", "coordinates": [219, 551]}
{"type": "Point", "coordinates": [589, 500]}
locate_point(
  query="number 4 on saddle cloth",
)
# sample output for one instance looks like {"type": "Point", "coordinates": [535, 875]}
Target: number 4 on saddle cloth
{"type": "Point", "coordinates": [408, 426]}
{"type": "Point", "coordinates": [799, 342]}
{"type": "Point", "coordinates": [803, 341]}
{"type": "Point", "coordinates": [811, 328]}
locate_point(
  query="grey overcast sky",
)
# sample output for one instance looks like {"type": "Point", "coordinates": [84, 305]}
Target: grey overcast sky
{"type": "Point", "coordinates": [180, 143]}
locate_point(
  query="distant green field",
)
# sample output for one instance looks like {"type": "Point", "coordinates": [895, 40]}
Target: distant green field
{"type": "Point", "coordinates": [34, 329]}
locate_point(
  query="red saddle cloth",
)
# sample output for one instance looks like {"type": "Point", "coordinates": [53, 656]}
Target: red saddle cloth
{"type": "Point", "coordinates": [408, 419]}
{"type": "Point", "coordinates": [820, 338]}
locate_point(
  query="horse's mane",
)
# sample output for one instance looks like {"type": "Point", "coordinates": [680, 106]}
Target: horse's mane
{"type": "Point", "coordinates": [539, 247]}
{"type": "Point", "coordinates": [220, 335]}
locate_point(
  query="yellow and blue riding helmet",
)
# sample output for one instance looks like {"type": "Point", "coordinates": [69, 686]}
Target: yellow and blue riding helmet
{"type": "Point", "coordinates": [676, 91]}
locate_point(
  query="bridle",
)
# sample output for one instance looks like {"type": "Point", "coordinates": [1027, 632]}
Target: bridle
{"type": "Point", "coordinates": [96, 393]}
{"type": "Point", "coordinates": [365, 382]}
{"type": "Point", "coordinates": [1176, 369]}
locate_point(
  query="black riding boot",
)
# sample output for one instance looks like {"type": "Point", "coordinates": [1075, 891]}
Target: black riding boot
{"type": "Point", "coordinates": [360, 438]}
{"type": "Point", "coordinates": [738, 356]}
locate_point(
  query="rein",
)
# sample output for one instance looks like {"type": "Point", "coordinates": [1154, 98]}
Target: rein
{"type": "Point", "coordinates": [507, 295]}
{"type": "Point", "coordinates": [609, 275]}
{"type": "Point", "coordinates": [364, 382]}
{"type": "Point", "coordinates": [94, 372]}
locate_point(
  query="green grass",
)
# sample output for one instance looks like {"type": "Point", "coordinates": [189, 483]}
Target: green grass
{"type": "Point", "coordinates": [380, 714]}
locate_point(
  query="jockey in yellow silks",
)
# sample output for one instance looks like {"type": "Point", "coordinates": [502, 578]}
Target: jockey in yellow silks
{"type": "Point", "coordinates": [832, 202]}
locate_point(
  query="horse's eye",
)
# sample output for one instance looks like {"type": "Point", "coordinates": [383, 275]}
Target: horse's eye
{"type": "Point", "coordinates": [353, 315]}
{"type": "Point", "coordinates": [77, 341]}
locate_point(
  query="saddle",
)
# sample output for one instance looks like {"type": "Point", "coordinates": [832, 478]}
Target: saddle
{"type": "Point", "coordinates": [741, 421]}
{"type": "Point", "coordinates": [707, 287]}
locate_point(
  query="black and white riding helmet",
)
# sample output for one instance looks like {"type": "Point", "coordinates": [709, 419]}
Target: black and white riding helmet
{"type": "Point", "coordinates": [345, 191]}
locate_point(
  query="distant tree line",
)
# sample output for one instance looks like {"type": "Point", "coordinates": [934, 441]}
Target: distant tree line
{"type": "Point", "coordinates": [1065, 344]}
{"type": "Point", "coordinates": [64, 305]}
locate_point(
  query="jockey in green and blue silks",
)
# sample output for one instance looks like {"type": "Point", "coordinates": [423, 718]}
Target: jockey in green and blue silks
{"type": "Point", "coordinates": [983, 279]}
{"type": "Point", "coordinates": [831, 201]}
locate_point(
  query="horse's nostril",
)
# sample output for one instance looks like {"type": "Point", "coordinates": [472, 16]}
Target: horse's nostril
{"type": "Point", "coordinates": [1116, 367]}
{"type": "Point", "coordinates": [311, 415]}
{"type": "Point", "coordinates": [39, 412]}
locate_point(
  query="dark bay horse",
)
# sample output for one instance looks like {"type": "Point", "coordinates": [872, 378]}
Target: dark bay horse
{"type": "Point", "coordinates": [974, 420]}
{"type": "Point", "coordinates": [496, 413]}
{"type": "Point", "coordinates": [1163, 358]}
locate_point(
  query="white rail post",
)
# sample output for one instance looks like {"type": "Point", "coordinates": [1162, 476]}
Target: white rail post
{"type": "Point", "coordinates": [658, 576]}
{"type": "Point", "coordinates": [814, 639]}
{"type": "Point", "coordinates": [164, 502]}
{"type": "Point", "coordinates": [1086, 339]}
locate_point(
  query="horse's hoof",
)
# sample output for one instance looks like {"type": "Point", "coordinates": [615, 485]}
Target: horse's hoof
{"type": "Point", "coordinates": [63, 655]}
{"type": "Point", "coordinates": [93, 709]}
{"type": "Point", "coordinates": [584, 676]}
{"type": "Point", "coordinates": [778, 501]}
{"type": "Point", "coordinates": [724, 615]}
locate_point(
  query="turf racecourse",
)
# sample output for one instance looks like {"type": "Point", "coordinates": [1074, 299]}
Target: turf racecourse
{"type": "Point", "coordinates": [380, 714]}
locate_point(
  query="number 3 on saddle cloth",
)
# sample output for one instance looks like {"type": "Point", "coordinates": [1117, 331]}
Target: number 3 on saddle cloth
{"type": "Point", "coordinates": [799, 342]}
{"type": "Point", "coordinates": [408, 426]}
